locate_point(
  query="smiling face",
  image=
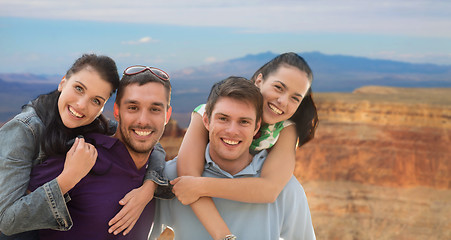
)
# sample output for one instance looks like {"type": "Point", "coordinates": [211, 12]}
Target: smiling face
{"type": "Point", "coordinates": [82, 98]}
{"type": "Point", "coordinates": [282, 93]}
{"type": "Point", "coordinates": [142, 114]}
{"type": "Point", "coordinates": [231, 127]}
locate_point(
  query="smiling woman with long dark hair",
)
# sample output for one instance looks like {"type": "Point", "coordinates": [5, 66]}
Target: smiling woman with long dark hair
{"type": "Point", "coordinates": [44, 128]}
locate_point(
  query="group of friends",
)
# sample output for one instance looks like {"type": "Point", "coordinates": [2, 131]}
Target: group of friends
{"type": "Point", "coordinates": [68, 172]}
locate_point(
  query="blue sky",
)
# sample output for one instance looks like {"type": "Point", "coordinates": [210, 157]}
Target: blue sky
{"type": "Point", "coordinates": [46, 36]}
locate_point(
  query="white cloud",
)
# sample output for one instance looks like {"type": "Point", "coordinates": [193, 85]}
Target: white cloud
{"type": "Point", "coordinates": [210, 60]}
{"type": "Point", "coordinates": [423, 57]}
{"type": "Point", "coordinates": [140, 41]}
{"type": "Point", "coordinates": [414, 17]}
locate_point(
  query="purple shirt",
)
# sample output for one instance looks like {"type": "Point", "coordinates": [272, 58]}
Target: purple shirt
{"type": "Point", "coordinates": [95, 199]}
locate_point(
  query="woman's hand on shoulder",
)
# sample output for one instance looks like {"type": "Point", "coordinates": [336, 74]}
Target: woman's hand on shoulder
{"type": "Point", "coordinates": [79, 161]}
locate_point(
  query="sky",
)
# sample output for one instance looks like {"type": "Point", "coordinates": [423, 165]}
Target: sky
{"type": "Point", "coordinates": [46, 36]}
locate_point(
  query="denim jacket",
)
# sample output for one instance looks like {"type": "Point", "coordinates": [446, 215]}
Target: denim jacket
{"type": "Point", "coordinates": [46, 206]}
{"type": "Point", "coordinates": [19, 152]}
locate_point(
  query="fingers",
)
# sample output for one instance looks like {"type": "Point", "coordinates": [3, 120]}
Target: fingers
{"type": "Point", "coordinates": [123, 223]}
{"type": "Point", "coordinates": [185, 202]}
{"type": "Point", "coordinates": [127, 217]}
{"type": "Point", "coordinates": [81, 142]}
{"type": "Point", "coordinates": [122, 227]}
{"type": "Point", "coordinates": [80, 159]}
{"type": "Point", "coordinates": [115, 225]}
{"type": "Point", "coordinates": [94, 150]}
{"type": "Point", "coordinates": [130, 227]}
{"type": "Point", "coordinates": [115, 219]}
{"type": "Point", "coordinates": [123, 212]}
{"type": "Point", "coordinates": [127, 198]}
{"type": "Point", "coordinates": [74, 146]}
{"type": "Point", "coordinates": [86, 148]}
{"type": "Point", "coordinates": [175, 181]}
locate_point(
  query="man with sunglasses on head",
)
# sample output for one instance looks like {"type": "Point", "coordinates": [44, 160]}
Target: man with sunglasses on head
{"type": "Point", "coordinates": [142, 109]}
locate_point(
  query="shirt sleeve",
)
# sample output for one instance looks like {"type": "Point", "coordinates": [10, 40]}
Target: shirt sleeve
{"type": "Point", "coordinates": [155, 173]}
{"type": "Point", "coordinates": [43, 208]}
{"type": "Point", "coordinates": [200, 109]}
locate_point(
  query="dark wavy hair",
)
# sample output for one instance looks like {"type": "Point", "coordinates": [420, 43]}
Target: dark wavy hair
{"type": "Point", "coordinates": [306, 116]}
{"type": "Point", "coordinates": [55, 136]}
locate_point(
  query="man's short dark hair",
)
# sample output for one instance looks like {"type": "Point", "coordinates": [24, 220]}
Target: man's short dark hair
{"type": "Point", "coordinates": [238, 88]}
{"type": "Point", "coordinates": [141, 79]}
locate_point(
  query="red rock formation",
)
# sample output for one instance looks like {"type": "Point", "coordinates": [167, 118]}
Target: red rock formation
{"type": "Point", "coordinates": [172, 138]}
{"type": "Point", "coordinates": [172, 130]}
{"type": "Point", "coordinates": [379, 166]}
{"type": "Point", "coordinates": [381, 140]}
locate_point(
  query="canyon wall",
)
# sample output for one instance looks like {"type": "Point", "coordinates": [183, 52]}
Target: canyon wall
{"type": "Point", "coordinates": [381, 136]}
{"type": "Point", "coordinates": [379, 166]}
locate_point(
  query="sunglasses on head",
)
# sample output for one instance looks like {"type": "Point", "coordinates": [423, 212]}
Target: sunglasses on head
{"type": "Point", "coordinates": [139, 69]}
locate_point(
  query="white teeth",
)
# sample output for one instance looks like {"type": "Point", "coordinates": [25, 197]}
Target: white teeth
{"type": "Point", "coordinates": [143, 133]}
{"type": "Point", "coordinates": [275, 109]}
{"type": "Point", "coordinates": [73, 112]}
{"type": "Point", "coordinates": [231, 142]}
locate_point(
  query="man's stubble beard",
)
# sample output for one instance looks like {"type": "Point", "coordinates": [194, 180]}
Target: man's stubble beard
{"type": "Point", "coordinates": [129, 144]}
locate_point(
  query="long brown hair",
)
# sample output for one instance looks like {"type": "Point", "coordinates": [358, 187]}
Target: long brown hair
{"type": "Point", "coordinates": [306, 116]}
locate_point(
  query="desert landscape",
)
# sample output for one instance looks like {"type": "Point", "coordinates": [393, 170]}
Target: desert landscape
{"type": "Point", "coordinates": [379, 166]}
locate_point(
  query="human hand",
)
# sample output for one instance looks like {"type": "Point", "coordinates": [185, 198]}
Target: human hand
{"type": "Point", "coordinates": [134, 203]}
{"type": "Point", "coordinates": [80, 159]}
{"type": "Point", "coordinates": [187, 189]}
{"type": "Point", "coordinates": [167, 234]}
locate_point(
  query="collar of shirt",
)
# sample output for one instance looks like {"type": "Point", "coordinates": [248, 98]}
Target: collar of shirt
{"type": "Point", "coordinates": [253, 169]}
{"type": "Point", "coordinates": [109, 143]}
{"type": "Point", "coordinates": [101, 139]}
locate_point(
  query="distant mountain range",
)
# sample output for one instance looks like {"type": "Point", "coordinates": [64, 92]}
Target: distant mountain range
{"type": "Point", "coordinates": [332, 73]}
